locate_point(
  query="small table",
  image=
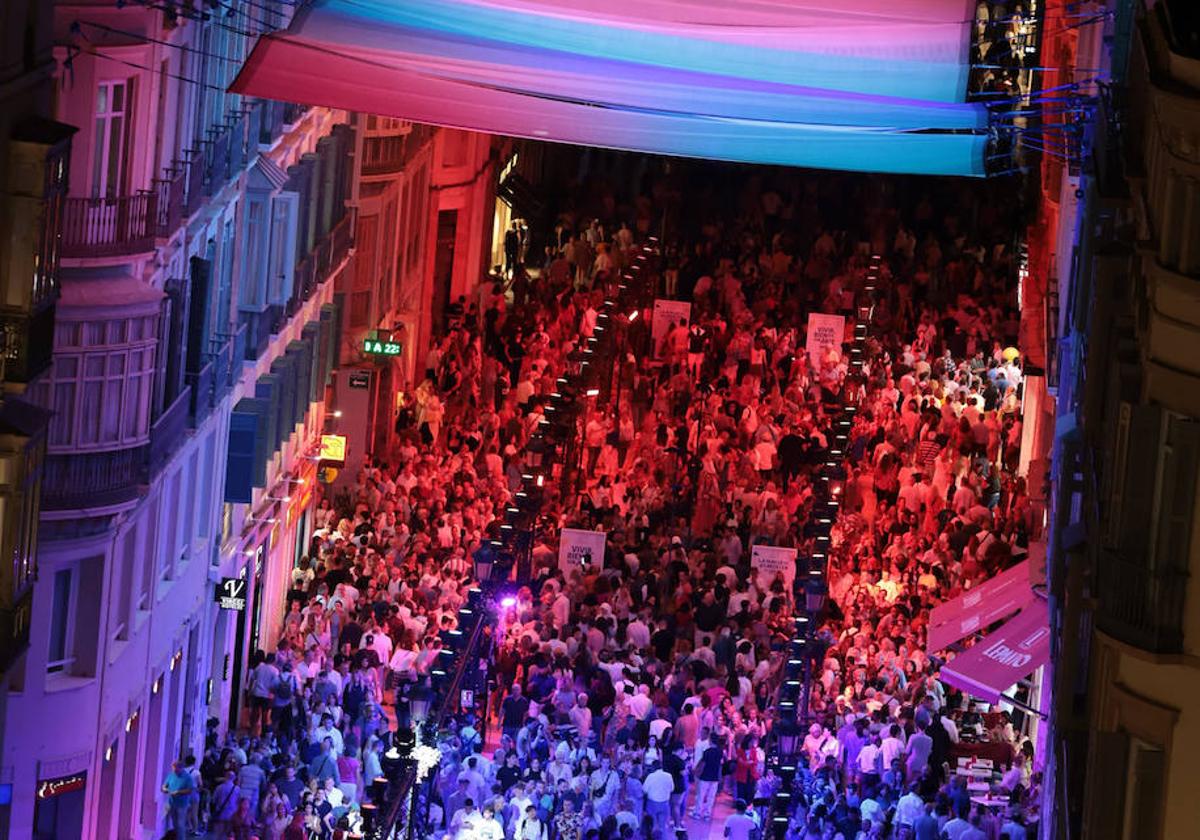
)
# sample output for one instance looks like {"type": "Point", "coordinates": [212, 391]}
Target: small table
{"type": "Point", "coordinates": [990, 802]}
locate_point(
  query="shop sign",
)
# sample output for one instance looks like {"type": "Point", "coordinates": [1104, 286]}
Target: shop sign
{"type": "Point", "coordinates": [333, 449]}
{"type": "Point", "coordinates": [360, 379]}
{"type": "Point", "coordinates": [231, 594]}
{"type": "Point", "coordinates": [50, 788]}
{"type": "Point", "coordinates": [381, 347]}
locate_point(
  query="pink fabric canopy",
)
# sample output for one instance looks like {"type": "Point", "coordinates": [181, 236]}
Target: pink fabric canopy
{"type": "Point", "coordinates": [996, 663]}
{"type": "Point", "coordinates": [864, 84]}
{"type": "Point", "coordinates": [994, 599]}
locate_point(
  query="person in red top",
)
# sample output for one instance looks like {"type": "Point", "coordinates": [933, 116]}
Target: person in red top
{"type": "Point", "coordinates": [746, 768]}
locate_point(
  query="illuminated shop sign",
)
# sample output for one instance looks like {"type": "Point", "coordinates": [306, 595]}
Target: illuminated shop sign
{"type": "Point", "coordinates": [231, 594]}
{"type": "Point", "coordinates": [50, 788]}
{"type": "Point", "coordinates": [381, 347]}
{"type": "Point", "coordinates": [333, 449]}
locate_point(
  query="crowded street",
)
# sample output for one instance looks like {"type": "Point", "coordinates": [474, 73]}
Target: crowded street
{"type": "Point", "coordinates": [568, 420]}
{"type": "Point", "coordinates": [634, 695]}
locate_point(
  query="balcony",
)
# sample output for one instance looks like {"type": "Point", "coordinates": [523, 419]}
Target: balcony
{"type": "Point", "coordinates": [170, 193]}
{"type": "Point", "coordinates": [316, 268]}
{"type": "Point", "coordinates": [169, 431]}
{"type": "Point", "coordinates": [383, 154]}
{"type": "Point", "coordinates": [14, 629]}
{"type": "Point", "coordinates": [229, 351]}
{"type": "Point", "coordinates": [294, 112]}
{"type": "Point", "coordinates": [30, 342]}
{"type": "Point", "coordinates": [78, 480]}
{"type": "Point", "coordinates": [109, 227]}
{"type": "Point", "coordinates": [203, 385]}
{"type": "Point", "coordinates": [1141, 606]}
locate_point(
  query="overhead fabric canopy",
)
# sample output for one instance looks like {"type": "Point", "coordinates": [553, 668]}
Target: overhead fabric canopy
{"type": "Point", "coordinates": [996, 598]}
{"type": "Point", "coordinates": [860, 85]}
{"type": "Point", "coordinates": [1014, 651]}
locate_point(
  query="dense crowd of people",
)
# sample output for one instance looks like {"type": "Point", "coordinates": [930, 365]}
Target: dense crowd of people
{"type": "Point", "coordinates": [633, 695]}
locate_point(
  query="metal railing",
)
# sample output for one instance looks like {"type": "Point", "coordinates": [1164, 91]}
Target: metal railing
{"type": "Point", "coordinates": [169, 430]}
{"type": "Point", "coordinates": [383, 154]}
{"type": "Point", "coordinates": [203, 385]}
{"type": "Point", "coordinates": [393, 819]}
{"type": "Point", "coordinates": [170, 192]}
{"type": "Point", "coordinates": [109, 227]}
{"type": "Point", "coordinates": [93, 479]}
{"type": "Point", "coordinates": [1141, 605]}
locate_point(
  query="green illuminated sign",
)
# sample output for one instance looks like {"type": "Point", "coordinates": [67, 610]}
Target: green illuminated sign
{"type": "Point", "coordinates": [376, 347]}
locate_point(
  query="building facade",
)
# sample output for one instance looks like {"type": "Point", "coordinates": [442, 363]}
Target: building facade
{"type": "Point", "coordinates": [1125, 340]}
{"type": "Point", "coordinates": [186, 275]}
{"type": "Point", "coordinates": [203, 262]}
{"type": "Point", "coordinates": [34, 158]}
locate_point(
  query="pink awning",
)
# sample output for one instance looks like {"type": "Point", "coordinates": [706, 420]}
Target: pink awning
{"type": "Point", "coordinates": [974, 610]}
{"type": "Point", "coordinates": [1011, 653]}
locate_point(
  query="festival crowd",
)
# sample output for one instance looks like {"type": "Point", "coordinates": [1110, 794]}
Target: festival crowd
{"type": "Point", "coordinates": [632, 696]}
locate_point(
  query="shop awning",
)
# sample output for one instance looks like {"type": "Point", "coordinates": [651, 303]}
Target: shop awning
{"type": "Point", "coordinates": [1011, 653]}
{"type": "Point", "coordinates": [994, 599]}
{"type": "Point", "coordinates": [868, 85]}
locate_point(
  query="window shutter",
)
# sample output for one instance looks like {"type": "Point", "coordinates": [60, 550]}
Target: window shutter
{"type": "Point", "coordinates": [1141, 478]}
{"type": "Point", "coordinates": [1177, 494]}
{"type": "Point", "coordinates": [267, 389]}
{"type": "Point", "coordinates": [177, 337]}
{"type": "Point", "coordinates": [284, 368]}
{"type": "Point", "coordinates": [1115, 474]}
{"type": "Point", "coordinates": [247, 435]}
{"type": "Point", "coordinates": [312, 337]}
{"type": "Point", "coordinates": [1108, 767]}
{"type": "Point", "coordinates": [197, 339]}
{"type": "Point", "coordinates": [1146, 795]}
{"type": "Point", "coordinates": [282, 266]}
{"type": "Point", "coordinates": [300, 352]}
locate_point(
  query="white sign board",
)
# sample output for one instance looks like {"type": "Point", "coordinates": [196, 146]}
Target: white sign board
{"type": "Point", "coordinates": [769, 560]}
{"type": "Point", "coordinates": [579, 549]}
{"type": "Point", "coordinates": [667, 313]}
{"type": "Point", "coordinates": [824, 331]}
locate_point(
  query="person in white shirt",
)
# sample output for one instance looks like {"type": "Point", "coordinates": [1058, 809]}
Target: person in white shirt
{"type": "Point", "coordinates": [892, 746]}
{"type": "Point", "coordinates": [739, 825]}
{"type": "Point", "coordinates": [488, 827]}
{"type": "Point", "coordinates": [910, 807]}
{"type": "Point", "coordinates": [529, 827]}
{"type": "Point", "coordinates": [657, 788]}
{"type": "Point", "coordinates": [462, 822]}
{"type": "Point", "coordinates": [640, 703]}
{"type": "Point", "coordinates": [868, 758]}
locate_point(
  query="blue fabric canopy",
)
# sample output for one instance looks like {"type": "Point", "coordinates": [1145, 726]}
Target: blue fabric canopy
{"type": "Point", "coordinates": [795, 87]}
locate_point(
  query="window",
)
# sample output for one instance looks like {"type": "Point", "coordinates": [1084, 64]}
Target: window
{"type": "Point", "coordinates": [189, 519]}
{"type": "Point", "coordinates": [124, 579]}
{"type": "Point", "coordinates": [360, 309]}
{"type": "Point", "coordinates": [281, 270]}
{"type": "Point", "coordinates": [101, 398]}
{"type": "Point", "coordinates": [1177, 493]}
{"type": "Point", "coordinates": [150, 555]}
{"type": "Point", "coordinates": [58, 656]}
{"type": "Point", "coordinates": [417, 211]}
{"type": "Point", "coordinates": [206, 491]}
{"type": "Point", "coordinates": [225, 290]}
{"type": "Point", "coordinates": [170, 549]}
{"type": "Point", "coordinates": [110, 138]}
{"type": "Point", "coordinates": [253, 282]}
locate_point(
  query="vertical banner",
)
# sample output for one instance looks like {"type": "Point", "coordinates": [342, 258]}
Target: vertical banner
{"type": "Point", "coordinates": [824, 331]}
{"type": "Point", "coordinates": [667, 313]}
{"type": "Point", "coordinates": [579, 549]}
{"type": "Point", "coordinates": [769, 560]}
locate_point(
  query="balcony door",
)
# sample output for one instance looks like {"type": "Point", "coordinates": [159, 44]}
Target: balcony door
{"type": "Point", "coordinates": [111, 217]}
{"type": "Point", "coordinates": [110, 140]}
